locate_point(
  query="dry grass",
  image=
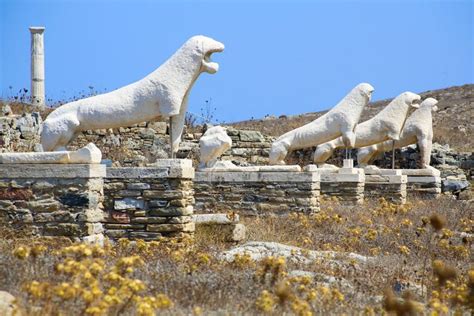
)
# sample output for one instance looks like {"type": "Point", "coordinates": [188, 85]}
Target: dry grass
{"type": "Point", "coordinates": [413, 248]}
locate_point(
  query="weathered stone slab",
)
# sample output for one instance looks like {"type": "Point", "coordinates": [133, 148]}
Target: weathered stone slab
{"type": "Point", "coordinates": [172, 163]}
{"type": "Point", "coordinates": [251, 136]}
{"type": "Point", "coordinates": [385, 178]}
{"type": "Point", "coordinates": [71, 171]}
{"type": "Point", "coordinates": [424, 179]}
{"type": "Point", "coordinates": [337, 177]}
{"type": "Point", "coordinates": [233, 168]}
{"type": "Point", "coordinates": [430, 172]}
{"type": "Point", "coordinates": [89, 154]}
{"type": "Point", "coordinates": [215, 218]}
{"type": "Point", "coordinates": [372, 170]}
{"type": "Point", "coordinates": [137, 172]}
{"type": "Point", "coordinates": [128, 203]}
{"type": "Point", "coordinates": [275, 176]}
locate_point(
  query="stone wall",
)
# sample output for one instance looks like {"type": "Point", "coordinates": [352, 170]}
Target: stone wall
{"type": "Point", "coordinates": [423, 183]}
{"type": "Point", "coordinates": [19, 133]}
{"type": "Point", "coordinates": [256, 193]}
{"type": "Point", "coordinates": [52, 200]}
{"type": "Point", "coordinates": [150, 202]}
{"type": "Point", "coordinates": [347, 185]}
{"type": "Point", "coordinates": [392, 187]}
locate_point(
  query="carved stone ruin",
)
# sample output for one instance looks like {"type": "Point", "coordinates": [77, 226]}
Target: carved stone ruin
{"type": "Point", "coordinates": [418, 129]}
{"type": "Point", "coordinates": [163, 93]}
{"type": "Point", "coordinates": [89, 154]}
{"type": "Point", "coordinates": [340, 120]}
{"type": "Point", "coordinates": [212, 145]}
{"type": "Point", "coordinates": [37, 66]}
{"type": "Point", "coordinates": [387, 124]}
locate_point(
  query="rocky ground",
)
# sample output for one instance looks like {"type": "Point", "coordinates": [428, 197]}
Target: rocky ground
{"type": "Point", "coordinates": [415, 259]}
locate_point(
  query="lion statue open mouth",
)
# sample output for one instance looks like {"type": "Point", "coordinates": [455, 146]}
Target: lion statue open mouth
{"type": "Point", "coordinates": [163, 93]}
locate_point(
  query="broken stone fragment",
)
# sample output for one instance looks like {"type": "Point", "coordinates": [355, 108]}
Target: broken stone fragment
{"type": "Point", "coordinates": [89, 154]}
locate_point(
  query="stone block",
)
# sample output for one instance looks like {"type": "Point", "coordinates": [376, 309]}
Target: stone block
{"type": "Point", "coordinates": [116, 233]}
{"type": "Point", "coordinates": [158, 203]}
{"type": "Point", "coordinates": [172, 211]}
{"type": "Point", "coordinates": [258, 177]}
{"type": "Point", "coordinates": [64, 229]}
{"type": "Point", "coordinates": [173, 163]}
{"type": "Point", "coordinates": [129, 193]}
{"type": "Point", "coordinates": [187, 227]}
{"type": "Point", "coordinates": [136, 173]}
{"type": "Point", "coordinates": [428, 172]}
{"type": "Point", "coordinates": [423, 179]}
{"type": "Point", "coordinates": [251, 136]}
{"type": "Point", "coordinates": [32, 171]}
{"type": "Point", "coordinates": [128, 203]}
{"type": "Point", "coordinates": [159, 127]}
{"type": "Point", "coordinates": [145, 235]}
{"type": "Point", "coordinates": [138, 186]}
{"type": "Point", "coordinates": [215, 218]}
{"type": "Point", "coordinates": [119, 217]}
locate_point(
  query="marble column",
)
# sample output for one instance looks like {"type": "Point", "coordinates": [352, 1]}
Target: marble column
{"type": "Point", "coordinates": [37, 66]}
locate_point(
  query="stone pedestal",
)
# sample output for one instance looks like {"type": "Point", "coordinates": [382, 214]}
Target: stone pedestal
{"type": "Point", "coordinates": [265, 190]}
{"type": "Point", "coordinates": [423, 183]}
{"type": "Point", "coordinates": [150, 202]}
{"type": "Point", "coordinates": [390, 184]}
{"type": "Point", "coordinates": [347, 184]}
{"type": "Point", "coordinates": [52, 199]}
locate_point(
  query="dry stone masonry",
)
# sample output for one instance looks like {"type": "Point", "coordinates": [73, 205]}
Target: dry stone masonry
{"type": "Point", "coordinates": [386, 183]}
{"type": "Point", "coordinates": [256, 192]}
{"type": "Point", "coordinates": [346, 184]}
{"type": "Point", "coordinates": [52, 199]}
{"type": "Point", "coordinates": [150, 202]}
{"type": "Point", "coordinates": [423, 183]}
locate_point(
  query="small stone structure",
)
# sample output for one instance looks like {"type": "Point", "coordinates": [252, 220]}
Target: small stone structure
{"type": "Point", "coordinates": [150, 202]}
{"type": "Point", "coordinates": [52, 199]}
{"type": "Point", "coordinates": [387, 183]}
{"type": "Point", "coordinates": [257, 191]}
{"type": "Point", "coordinates": [347, 183]}
{"type": "Point", "coordinates": [423, 183]}
{"type": "Point", "coordinates": [224, 226]}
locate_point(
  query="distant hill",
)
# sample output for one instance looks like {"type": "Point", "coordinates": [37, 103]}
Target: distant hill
{"type": "Point", "coordinates": [453, 123]}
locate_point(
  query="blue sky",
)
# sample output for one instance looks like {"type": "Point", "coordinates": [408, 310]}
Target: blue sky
{"type": "Point", "coordinates": [281, 57]}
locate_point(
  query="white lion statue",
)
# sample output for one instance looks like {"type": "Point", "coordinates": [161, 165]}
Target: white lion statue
{"type": "Point", "coordinates": [212, 145]}
{"type": "Point", "coordinates": [163, 93]}
{"type": "Point", "coordinates": [340, 120]}
{"type": "Point", "coordinates": [387, 124]}
{"type": "Point", "coordinates": [418, 129]}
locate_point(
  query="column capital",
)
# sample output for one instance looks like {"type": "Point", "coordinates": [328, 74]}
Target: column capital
{"type": "Point", "coordinates": [37, 29]}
